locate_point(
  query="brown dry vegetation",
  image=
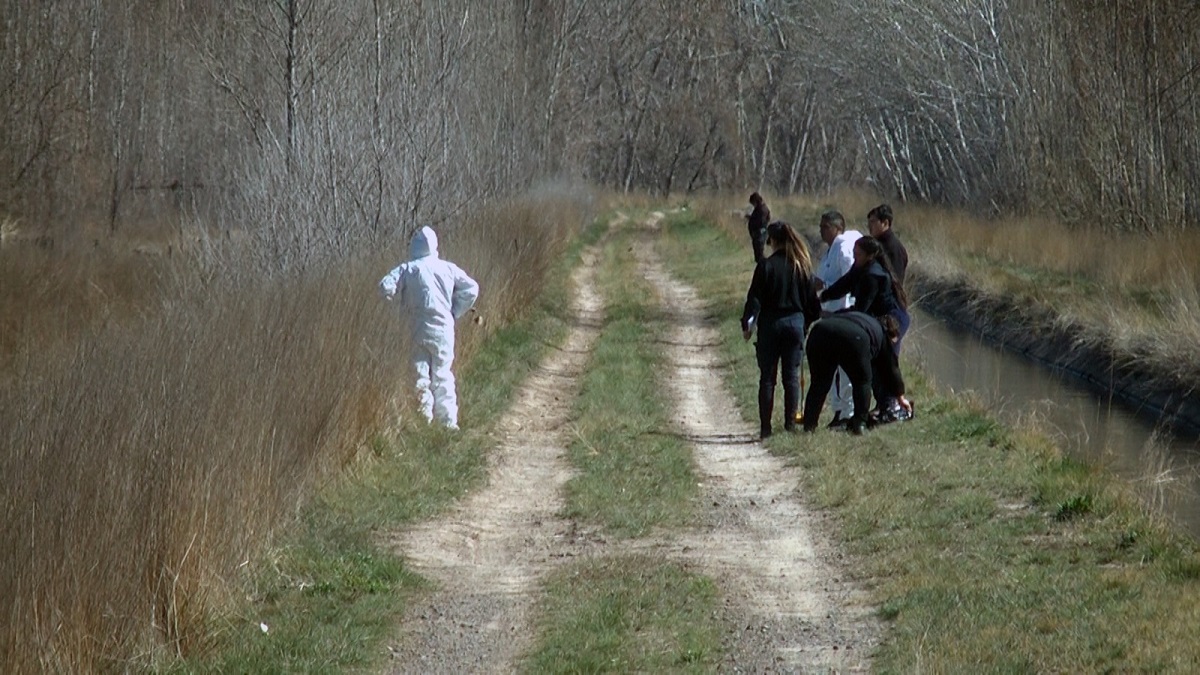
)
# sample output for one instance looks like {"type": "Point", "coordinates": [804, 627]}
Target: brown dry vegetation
{"type": "Point", "coordinates": [1135, 295]}
{"type": "Point", "coordinates": [160, 418]}
{"type": "Point", "coordinates": [255, 159]}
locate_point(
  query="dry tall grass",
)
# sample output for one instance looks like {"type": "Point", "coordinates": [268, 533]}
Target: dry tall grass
{"type": "Point", "coordinates": [1136, 293]}
{"type": "Point", "coordinates": [159, 421]}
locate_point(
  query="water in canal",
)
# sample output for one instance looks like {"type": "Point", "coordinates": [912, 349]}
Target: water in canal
{"type": "Point", "coordinates": [1089, 426]}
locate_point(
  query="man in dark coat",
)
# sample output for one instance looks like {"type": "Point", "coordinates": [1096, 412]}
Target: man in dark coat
{"type": "Point", "coordinates": [879, 223]}
{"type": "Point", "coordinates": [757, 223]}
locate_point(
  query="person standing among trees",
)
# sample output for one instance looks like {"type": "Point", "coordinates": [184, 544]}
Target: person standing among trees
{"type": "Point", "coordinates": [857, 343]}
{"type": "Point", "coordinates": [756, 223]}
{"type": "Point", "coordinates": [782, 300]}
{"type": "Point", "coordinates": [879, 224]}
{"type": "Point", "coordinates": [433, 293]}
{"type": "Point", "coordinates": [837, 261]}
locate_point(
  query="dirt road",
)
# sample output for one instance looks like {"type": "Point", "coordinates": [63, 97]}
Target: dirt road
{"type": "Point", "coordinates": [787, 601]}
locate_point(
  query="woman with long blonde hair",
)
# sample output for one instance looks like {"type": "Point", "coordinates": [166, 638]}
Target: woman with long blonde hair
{"type": "Point", "coordinates": [782, 301]}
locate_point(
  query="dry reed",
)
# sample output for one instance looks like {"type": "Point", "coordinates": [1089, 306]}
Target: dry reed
{"type": "Point", "coordinates": [159, 421]}
{"type": "Point", "coordinates": [1134, 293]}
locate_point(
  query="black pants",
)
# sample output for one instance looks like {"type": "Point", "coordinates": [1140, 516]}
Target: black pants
{"type": "Point", "coordinates": [758, 241]}
{"type": "Point", "coordinates": [834, 343]}
{"type": "Point", "coordinates": [780, 340]}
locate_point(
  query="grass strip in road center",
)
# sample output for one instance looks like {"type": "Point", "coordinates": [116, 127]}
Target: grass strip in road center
{"type": "Point", "coordinates": [627, 614]}
{"type": "Point", "coordinates": [634, 474]}
{"type": "Point", "coordinates": [986, 550]}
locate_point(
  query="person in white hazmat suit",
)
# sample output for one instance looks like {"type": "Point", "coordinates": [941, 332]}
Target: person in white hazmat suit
{"type": "Point", "coordinates": [433, 294]}
{"type": "Point", "coordinates": [838, 260]}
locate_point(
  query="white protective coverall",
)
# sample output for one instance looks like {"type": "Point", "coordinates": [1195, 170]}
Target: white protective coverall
{"type": "Point", "coordinates": [837, 261]}
{"type": "Point", "coordinates": [433, 294]}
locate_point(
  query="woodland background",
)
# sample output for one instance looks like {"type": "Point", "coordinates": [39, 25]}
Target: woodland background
{"type": "Point", "coordinates": [164, 416]}
{"type": "Point", "coordinates": [313, 122]}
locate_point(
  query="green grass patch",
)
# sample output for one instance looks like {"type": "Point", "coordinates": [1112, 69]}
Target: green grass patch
{"type": "Point", "coordinates": [629, 614]}
{"type": "Point", "coordinates": [985, 550]}
{"type": "Point", "coordinates": [331, 593]}
{"type": "Point", "coordinates": [634, 474]}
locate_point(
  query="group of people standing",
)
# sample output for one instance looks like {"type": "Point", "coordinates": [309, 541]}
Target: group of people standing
{"type": "Point", "coordinates": [851, 306]}
{"type": "Point", "coordinates": [849, 312]}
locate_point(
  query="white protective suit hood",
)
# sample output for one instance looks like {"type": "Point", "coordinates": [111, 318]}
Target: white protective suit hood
{"type": "Point", "coordinates": [432, 293]}
{"type": "Point", "coordinates": [424, 243]}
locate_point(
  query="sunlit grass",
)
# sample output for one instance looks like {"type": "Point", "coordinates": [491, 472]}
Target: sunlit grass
{"type": "Point", "coordinates": [634, 475]}
{"type": "Point", "coordinates": [627, 614]}
{"type": "Point", "coordinates": [985, 549]}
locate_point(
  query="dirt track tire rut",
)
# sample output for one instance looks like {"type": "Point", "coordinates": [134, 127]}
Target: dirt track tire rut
{"type": "Point", "coordinates": [788, 595]}
{"type": "Point", "coordinates": [788, 600]}
{"type": "Point", "coordinates": [489, 552]}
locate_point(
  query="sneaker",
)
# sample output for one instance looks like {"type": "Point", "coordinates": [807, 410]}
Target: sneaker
{"type": "Point", "coordinates": [898, 414]}
{"type": "Point", "coordinates": [856, 428]}
{"type": "Point", "coordinates": [892, 414]}
{"type": "Point", "coordinates": [839, 422]}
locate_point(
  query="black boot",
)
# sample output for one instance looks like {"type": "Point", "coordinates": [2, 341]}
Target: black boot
{"type": "Point", "coordinates": [858, 425]}
{"type": "Point", "coordinates": [790, 407]}
{"type": "Point", "coordinates": [766, 405]}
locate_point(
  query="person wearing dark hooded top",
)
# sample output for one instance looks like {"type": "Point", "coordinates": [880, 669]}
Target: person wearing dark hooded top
{"type": "Point", "coordinates": [858, 344]}
{"type": "Point", "coordinates": [782, 300]}
{"type": "Point", "coordinates": [877, 293]}
{"type": "Point", "coordinates": [756, 224]}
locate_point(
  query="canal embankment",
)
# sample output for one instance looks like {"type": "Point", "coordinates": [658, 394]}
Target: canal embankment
{"type": "Point", "coordinates": [1166, 397]}
{"type": "Point", "coordinates": [983, 546]}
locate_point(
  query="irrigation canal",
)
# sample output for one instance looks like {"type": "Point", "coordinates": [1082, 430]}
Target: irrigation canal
{"type": "Point", "coordinates": [1091, 426]}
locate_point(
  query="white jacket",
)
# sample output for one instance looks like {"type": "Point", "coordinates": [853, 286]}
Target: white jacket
{"type": "Point", "coordinates": [433, 292]}
{"type": "Point", "coordinates": [837, 261]}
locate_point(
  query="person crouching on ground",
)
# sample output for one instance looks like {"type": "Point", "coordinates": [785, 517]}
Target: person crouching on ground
{"type": "Point", "coordinates": [879, 293]}
{"type": "Point", "coordinates": [782, 301]}
{"type": "Point", "coordinates": [433, 294]}
{"type": "Point", "coordinates": [837, 261]}
{"type": "Point", "coordinates": [859, 344]}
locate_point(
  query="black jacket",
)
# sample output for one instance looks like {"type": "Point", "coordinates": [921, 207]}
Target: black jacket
{"type": "Point", "coordinates": [778, 289]}
{"type": "Point", "coordinates": [896, 253]}
{"type": "Point", "coordinates": [872, 289]}
{"type": "Point", "coordinates": [885, 366]}
{"type": "Point", "coordinates": [757, 221]}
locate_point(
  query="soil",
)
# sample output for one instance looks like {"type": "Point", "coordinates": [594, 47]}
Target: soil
{"type": "Point", "coordinates": [788, 600]}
